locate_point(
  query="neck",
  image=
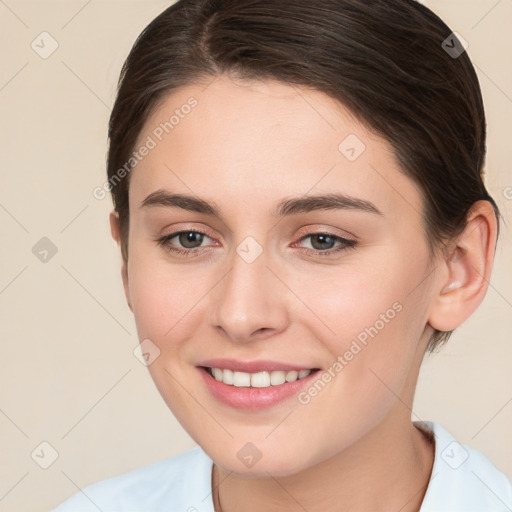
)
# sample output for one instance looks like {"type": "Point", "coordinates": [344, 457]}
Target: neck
{"type": "Point", "coordinates": [370, 475]}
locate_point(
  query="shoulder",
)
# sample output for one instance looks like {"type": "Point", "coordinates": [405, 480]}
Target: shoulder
{"type": "Point", "coordinates": [463, 479]}
{"type": "Point", "coordinates": [182, 482]}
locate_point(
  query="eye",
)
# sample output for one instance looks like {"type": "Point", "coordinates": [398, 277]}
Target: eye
{"type": "Point", "coordinates": [325, 244]}
{"type": "Point", "coordinates": [190, 241]}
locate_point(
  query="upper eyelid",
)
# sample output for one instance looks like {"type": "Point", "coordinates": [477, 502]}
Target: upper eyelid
{"type": "Point", "coordinates": [330, 231]}
{"type": "Point", "coordinates": [180, 231]}
{"type": "Point", "coordinates": [301, 237]}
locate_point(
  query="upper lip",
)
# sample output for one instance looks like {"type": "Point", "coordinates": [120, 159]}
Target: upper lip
{"type": "Point", "coordinates": [252, 366]}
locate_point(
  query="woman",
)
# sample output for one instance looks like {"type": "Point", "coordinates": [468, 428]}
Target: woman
{"type": "Point", "coordinates": [301, 213]}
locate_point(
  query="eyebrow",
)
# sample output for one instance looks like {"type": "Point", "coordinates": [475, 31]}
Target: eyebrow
{"type": "Point", "coordinates": [162, 198]}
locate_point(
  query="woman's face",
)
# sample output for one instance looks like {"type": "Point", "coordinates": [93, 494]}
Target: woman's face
{"type": "Point", "coordinates": [277, 274]}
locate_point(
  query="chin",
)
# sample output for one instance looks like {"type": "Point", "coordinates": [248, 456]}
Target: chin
{"type": "Point", "coordinates": [249, 462]}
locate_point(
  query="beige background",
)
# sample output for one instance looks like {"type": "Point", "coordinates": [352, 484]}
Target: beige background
{"type": "Point", "coordinates": [68, 373]}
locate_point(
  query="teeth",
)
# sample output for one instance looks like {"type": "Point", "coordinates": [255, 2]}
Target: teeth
{"type": "Point", "coordinates": [228, 377]}
{"type": "Point", "coordinates": [259, 379]}
{"type": "Point", "coordinates": [292, 376]}
{"type": "Point", "coordinates": [240, 379]}
{"type": "Point", "coordinates": [277, 378]}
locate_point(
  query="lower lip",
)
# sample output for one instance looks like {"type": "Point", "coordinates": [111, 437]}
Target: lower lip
{"type": "Point", "coordinates": [253, 399]}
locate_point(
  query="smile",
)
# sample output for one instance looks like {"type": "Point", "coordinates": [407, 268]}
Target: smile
{"type": "Point", "coordinates": [262, 379]}
{"type": "Point", "coordinates": [254, 386]}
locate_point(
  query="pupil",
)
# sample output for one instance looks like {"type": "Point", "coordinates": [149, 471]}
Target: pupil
{"type": "Point", "coordinates": [189, 238]}
{"type": "Point", "coordinates": [323, 239]}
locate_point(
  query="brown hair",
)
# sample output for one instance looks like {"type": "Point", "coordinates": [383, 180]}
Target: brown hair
{"type": "Point", "coordinates": [387, 61]}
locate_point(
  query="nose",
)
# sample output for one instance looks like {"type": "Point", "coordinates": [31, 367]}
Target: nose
{"type": "Point", "coordinates": [250, 301]}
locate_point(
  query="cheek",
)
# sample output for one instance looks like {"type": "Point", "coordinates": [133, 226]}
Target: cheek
{"type": "Point", "coordinates": [371, 356]}
{"type": "Point", "coordinates": [167, 308]}
{"type": "Point", "coordinates": [370, 320]}
{"type": "Point", "coordinates": [163, 296]}
{"type": "Point", "coordinates": [349, 300]}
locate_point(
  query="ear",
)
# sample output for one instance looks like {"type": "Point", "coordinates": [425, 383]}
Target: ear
{"type": "Point", "coordinates": [466, 269]}
{"type": "Point", "coordinates": [115, 230]}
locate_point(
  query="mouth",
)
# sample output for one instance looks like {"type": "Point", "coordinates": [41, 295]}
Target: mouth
{"type": "Point", "coordinates": [263, 379]}
{"type": "Point", "coordinates": [254, 386]}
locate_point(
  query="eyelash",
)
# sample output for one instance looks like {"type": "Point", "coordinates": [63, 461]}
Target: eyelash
{"type": "Point", "coordinates": [345, 244]}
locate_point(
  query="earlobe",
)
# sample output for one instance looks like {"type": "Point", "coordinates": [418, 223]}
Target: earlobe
{"type": "Point", "coordinates": [467, 270]}
{"type": "Point", "coordinates": [115, 231]}
{"type": "Point", "coordinates": [124, 275]}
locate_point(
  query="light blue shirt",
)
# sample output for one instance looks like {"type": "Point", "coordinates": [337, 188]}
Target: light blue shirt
{"type": "Point", "coordinates": [462, 480]}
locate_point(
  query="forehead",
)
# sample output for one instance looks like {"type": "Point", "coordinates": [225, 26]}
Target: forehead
{"type": "Point", "coordinates": [233, 140]}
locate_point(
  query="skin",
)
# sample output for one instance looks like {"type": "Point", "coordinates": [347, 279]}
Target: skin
{"type": "Point", "coordinates": [246, 146]}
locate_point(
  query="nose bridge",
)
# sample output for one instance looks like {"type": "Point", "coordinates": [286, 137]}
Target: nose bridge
{"type": "Point", "coordinates": [248, 301]}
